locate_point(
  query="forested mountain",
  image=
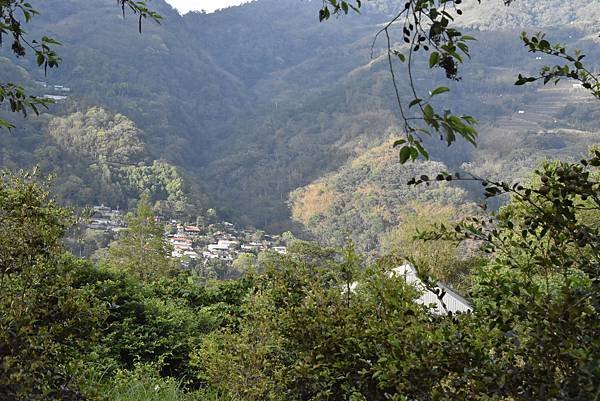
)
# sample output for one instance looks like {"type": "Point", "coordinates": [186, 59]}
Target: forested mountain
{"type": "Point", "coordinates": [368, 197]}
{"type": "Point", "coordinates": [101, 158]}
{"type": "Point", "coordinates": [255, 101]}
{"type": "Point", "coordinates": [412, 292]}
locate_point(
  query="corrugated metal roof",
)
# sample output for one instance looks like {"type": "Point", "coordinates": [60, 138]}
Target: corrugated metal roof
{"type": "Point", "coordinates": [450, 302]}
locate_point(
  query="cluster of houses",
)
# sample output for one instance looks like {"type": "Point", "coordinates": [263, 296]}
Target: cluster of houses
{"type": "Point", "coordinates": [106, 219]}
{"type": "Point", "coordinates": [221, 241]}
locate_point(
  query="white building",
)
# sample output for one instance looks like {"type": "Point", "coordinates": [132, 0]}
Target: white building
{"type": "Point", "coordinates": [451, 301]}
{"type": "Point", "coordinates": [217, 247]}
{"type": "Point", "coordinates": [55, 97]}
{"type": "Point", "coordinates": [222, 245]}
{"type": "Point", "coordinates": [191, 254]}
{"type": "Point", "coordinates": [280, 249]}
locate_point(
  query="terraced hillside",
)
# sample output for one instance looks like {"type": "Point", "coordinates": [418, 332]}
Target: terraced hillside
{"type": "Point", "coordinates": [544, 107]}
{"type": "Point", "coordinates": [514, 144]}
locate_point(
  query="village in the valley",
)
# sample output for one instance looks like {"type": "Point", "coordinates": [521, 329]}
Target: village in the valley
{"type": "Point", "coordinates": [192, 243]}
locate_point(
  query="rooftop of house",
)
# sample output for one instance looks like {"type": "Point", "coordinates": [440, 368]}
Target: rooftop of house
{"type": "Point", "coordinates": [450, 300]}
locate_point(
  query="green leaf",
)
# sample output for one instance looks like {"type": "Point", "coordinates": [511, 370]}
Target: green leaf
{"type": "Point", "coordinates": [6, 124]}
{"type": "Point", "coordinates": [414, 102]}
{"type": "Point", "coordinates": [463, 47]}
{"type": "Point", "coordinates": [405, 154]}
{"type": "Point", "coordinates": [456, 56]}
{"type": "Point", "coordinates": [428, 113]}
{"type": "Point", "coordinates": [434, 59]}
{"type": "Point", "coordinates": [422, 150]}
{"type": "Point", "coordinates": [438, 91]}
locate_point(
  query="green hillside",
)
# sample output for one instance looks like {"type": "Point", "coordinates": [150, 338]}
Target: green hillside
{"type": "Point", "coordinates": [255, 101]}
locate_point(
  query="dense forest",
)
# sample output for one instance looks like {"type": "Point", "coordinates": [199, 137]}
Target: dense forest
{"type": "Point", "coordinates": [263, 115]}
{"type": "Point", "coordinates": [316, 323]}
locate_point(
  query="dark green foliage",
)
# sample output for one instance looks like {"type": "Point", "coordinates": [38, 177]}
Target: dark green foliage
{"type": "Point", "coordinates": [68, 327]}
{"type": "Point", "coordinates": [141, 249]}
{"type": "Point", "coordinates": [330, 332]}
{"type": "Point", "coordinates": [144, 327]}
{"type": "Point", "coordinates": [539, 294]}
{"type": "Point", "coordinates": [319, 340]}
{"type": "Point", "coordinates": [46, 316]}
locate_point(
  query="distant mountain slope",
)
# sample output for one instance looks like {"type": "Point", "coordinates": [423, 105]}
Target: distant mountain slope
{"type": "Point", "coordinates": [493, 14]}
{"type": "Point", "coordinates": [257, 100]}
{"type": "Point", "coordinates": [162, 79]}
{"type": "Point", "coordinates": [368, 197]}
{"type": "Point", "coordinates": [490, 15]}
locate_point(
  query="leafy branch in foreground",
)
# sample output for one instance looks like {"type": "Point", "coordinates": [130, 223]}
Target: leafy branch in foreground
{"type": "Point", "coordinates": [11, 25]}
{"type": "Point", "coordinates": [337, 7]}
{"type": "Point", "coordinates": [425, 28]}
{"type": "Point", "coordinates": [538, 293]}
{"type": "Point", "coordinates": [20, 102]}
{"type": "Point", "coordinates": [555, 222]}
{"type": "Point", "coordinates": [140, 8]}
{"type": "Point", "coordinates": [13, 15]}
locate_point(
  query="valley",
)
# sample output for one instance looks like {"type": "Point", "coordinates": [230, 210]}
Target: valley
{"type": "Point", "coordinates": [296, 200]}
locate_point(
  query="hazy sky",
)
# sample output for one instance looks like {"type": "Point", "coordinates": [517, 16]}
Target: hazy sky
{"type": "Point", "coordinates": [209, 5]}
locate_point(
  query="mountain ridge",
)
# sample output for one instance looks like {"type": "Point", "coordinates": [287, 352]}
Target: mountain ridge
{"type": "Point", "coordinates": [255, 101]}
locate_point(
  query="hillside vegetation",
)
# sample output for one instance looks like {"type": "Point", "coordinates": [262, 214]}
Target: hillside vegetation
{"type": "Point", "coordinates": [369, 197]}
{"type": "Point", "coordinates": [495, 15]}
{"type": "Point", "coordinates": [255, 101]}
{"type": "Point", "coordinates": [412, 292]}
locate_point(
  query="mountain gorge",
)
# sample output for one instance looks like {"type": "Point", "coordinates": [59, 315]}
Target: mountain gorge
{"type": "Point", "coordinates": [252, 102]}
